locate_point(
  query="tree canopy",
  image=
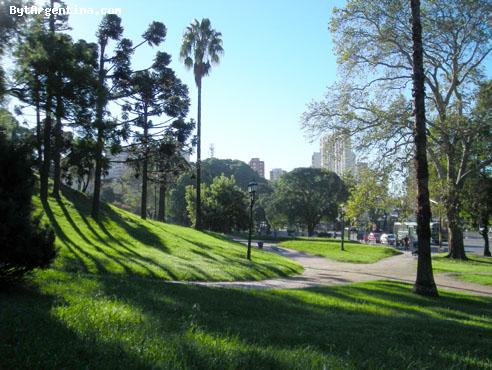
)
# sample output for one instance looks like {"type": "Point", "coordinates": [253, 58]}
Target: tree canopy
{"type": "Point", "coordinates": [305, 196]}
{"type": "Point", "coordinates": [371, 100]}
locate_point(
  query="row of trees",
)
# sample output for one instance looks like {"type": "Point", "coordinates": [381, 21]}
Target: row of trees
{"type": "Point", "coordinates": [302, 198]}
{"type": "Point", "coordinates": [89, 102]}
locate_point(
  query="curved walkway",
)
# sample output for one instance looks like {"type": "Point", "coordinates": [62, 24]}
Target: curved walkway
{"type": "Point", "coordinates": [320, 271]}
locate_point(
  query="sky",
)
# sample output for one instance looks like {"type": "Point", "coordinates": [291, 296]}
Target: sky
{"type": "Point", "coordinates": [278, 57]}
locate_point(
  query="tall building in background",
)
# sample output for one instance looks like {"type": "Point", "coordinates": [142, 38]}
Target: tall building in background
{"type": "Point", "coordinates": [336, 153]}
{"type": "Point", "coordinates": [258, 166]}
{"type": "Point", "coordinates": [276, 174]}
{"type": "Point", "coordinates": [316, 160]}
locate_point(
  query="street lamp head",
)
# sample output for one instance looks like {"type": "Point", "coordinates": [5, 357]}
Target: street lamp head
{"type": "Point", "coordinates": [252, 187]}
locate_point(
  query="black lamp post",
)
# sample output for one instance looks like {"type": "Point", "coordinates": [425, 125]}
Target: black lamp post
{"type": "Point", "coordinates": [342, 220]}
{"type": "Point", "coordinates": [252, 189]}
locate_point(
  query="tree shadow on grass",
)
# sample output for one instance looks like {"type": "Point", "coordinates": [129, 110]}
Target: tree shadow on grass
{"type": "Point", "coordinates": [33, 337]}
{"type": "Point", "coordinates": [78, 264]}
{"type": "Point", "coordinates": [209, 328]}
{"type": "Point", "coordinates": [265, 270]}
{"type": "Point", "coordinates": [349, 328]}
{"type": "Point", "coordinates": [138, 232]}
{"type": "Point", "coordinates": [120, 256]}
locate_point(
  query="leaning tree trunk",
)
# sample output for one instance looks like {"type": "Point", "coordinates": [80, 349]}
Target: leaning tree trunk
{"type": "Point", "coordinates": [198, 221]}
{"type": "Point", "coordinates": [161, 216]}
{"type": "Point", "coordinates": [424, 283]}
{"type": "Point", "coordinates": [58, 148]}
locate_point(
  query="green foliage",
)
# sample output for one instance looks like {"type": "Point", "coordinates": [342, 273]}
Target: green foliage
{"type": "Point", "coordinates": [305, 196]}
{"type": "Point", "coordinates": [354, 252]}
{"type": "Point", "coordinates": [224, 205]}
{"type": "Point", "coordinates": [79, 163]}
{"type": "Point", "coordinates": [25, 244]}
{"type": "Point", "coordinates": [212, 168]}
{"type": "Point", "coordinates": [477, 200]}
{"type": "Point", "coordinates": [369, 198]}
{"type": "Point", "coordinates": [201, 48]}
{"type": "Point", "coordinates": [370, 101]}
{"type": "Point", "coordinates": [122, 244]}
{"type": "Point", "coordinates": [10, 29]}
{"type": "Point", "coordinates": [114, 322]}
{"type": "Point", "coordinates": [10, 127]}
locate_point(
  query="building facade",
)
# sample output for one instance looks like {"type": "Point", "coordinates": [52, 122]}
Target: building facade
{"type": "Point", "coordinates": [316, 160]}
{"type": "Point", "coordinates": [336, 153]}
{"type": "Point", "coordinates": [258, 166]}
{"type": "Point", "coordinates": [276, 174]}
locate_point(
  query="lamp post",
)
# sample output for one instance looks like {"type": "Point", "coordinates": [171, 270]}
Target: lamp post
{"type": "Point", "coordinates": [252, 189]}
{"type": "Point", "coordinates": [440, 222]}
{"type": "Point", "coordinates": [342, 220]}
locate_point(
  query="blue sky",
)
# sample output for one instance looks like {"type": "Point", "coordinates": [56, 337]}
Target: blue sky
{"type": "Point", "coordinates": [278, 57]}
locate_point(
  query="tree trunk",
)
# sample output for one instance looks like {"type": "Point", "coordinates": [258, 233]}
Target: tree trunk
{"type": "Point", "coordinates": [45, 170]}
{"type": "Point", "coordinates": [198, 221]}
{"type": "Point", "coordinates": [100, 104]}
{"type": "Point", "coordinates": [424, 284]}
{"type": "Point", "coordinates": [98, 173]}
{"type": "Point", "coordinates": [57, 148]}
{"type": "Point", "coordinates": [39, 138]}
{"type": "Point", "coordinates": [145, 165]}
{"type": "Point", "coordinates": [456, 246]}
{"type": "Point", "coordinates": [162, 203]}
{"type": "Point", "coordinates": [85, 184]}
{"type": "Point", "coordinates": [310, 229]}
{"type": "Point", "coordinates": [485, 235]}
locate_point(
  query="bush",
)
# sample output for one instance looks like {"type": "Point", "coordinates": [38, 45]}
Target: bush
{"type": "Point", "coordinates": [25, 244]}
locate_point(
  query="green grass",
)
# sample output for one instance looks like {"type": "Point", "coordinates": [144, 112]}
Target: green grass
{"type": "Point", "coordinates": [354, 251]}
{"type": "Point", "coordinates": [122, 243]}
{"type": "Point", "coordinates": [79, 321]}
{"type": "Point", "coordinates": [477, 269]}
{"type": "Point", "coordinates": [105, 305]}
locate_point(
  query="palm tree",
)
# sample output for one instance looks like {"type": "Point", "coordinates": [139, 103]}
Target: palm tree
{"type": "Point", "coordinates": [424, 284]}
{"type": "Point", "coordinates": [202, 47]}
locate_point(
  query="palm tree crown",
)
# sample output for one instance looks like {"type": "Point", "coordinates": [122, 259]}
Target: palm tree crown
{"type": "Point", "coordinates": [202, 47]}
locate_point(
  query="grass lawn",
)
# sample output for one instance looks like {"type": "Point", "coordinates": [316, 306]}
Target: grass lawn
{"type": "Point", "coordinates": [79, 321]}
{"type": "Point", "coordinates": [354, 252]}
{"type": "Point", "coordinates": [477, 269]}
{"type": "Point", "coordinates": [122, 243]}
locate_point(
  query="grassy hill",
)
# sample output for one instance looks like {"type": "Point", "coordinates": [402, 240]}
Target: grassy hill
{"type": "Point", "coordinates": [122, 243]}
{"type": "Point", "coordinates": [120, 314]}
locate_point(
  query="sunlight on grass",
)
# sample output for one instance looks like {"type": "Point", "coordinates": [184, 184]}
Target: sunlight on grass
{"type": "Point", "coordinates": [477, 269]}
{"type": "Point", "coordinates": [111, 321]}
{"type": "Point", "coordinates": [122, 243]}
{"type": "Point", "coordinates": [354, 252]}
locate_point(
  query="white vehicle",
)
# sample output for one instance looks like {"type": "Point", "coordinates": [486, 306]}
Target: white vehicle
{"type": "Point", "coordinates": [389, 239]}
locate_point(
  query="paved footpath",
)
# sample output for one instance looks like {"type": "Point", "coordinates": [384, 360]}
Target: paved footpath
{"type": "Point", "coordinates": [320, 271]}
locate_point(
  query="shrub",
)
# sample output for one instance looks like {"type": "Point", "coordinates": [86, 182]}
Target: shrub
{"type": "Point", "coordinates": [25, 244]}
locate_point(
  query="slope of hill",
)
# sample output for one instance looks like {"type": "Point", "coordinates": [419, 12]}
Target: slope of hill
{"type": "Point", "coordinates": [122, 243]}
